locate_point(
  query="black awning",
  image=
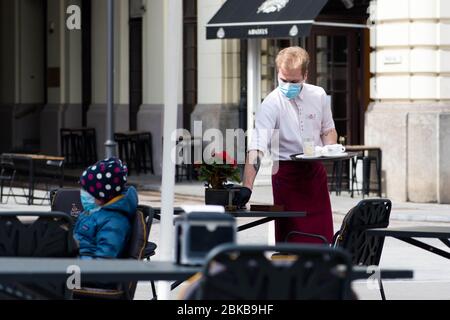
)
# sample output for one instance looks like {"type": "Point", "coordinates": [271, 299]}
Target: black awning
{"type": "Point", "coordinates": [240, 19]}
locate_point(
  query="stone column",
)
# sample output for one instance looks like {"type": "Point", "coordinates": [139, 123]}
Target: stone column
{"type": "Point", "coordinates": [218, 76]}
{"type": "Point", "coordinates": [63, 108]}
{"type": "Point", "coordinates": [409, 118]}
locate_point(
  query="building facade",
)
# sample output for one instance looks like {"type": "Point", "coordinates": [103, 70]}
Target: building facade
{"type": "Point", "coordinates": [410, 87]}
{"type": "Point", "coordinates": [384, 64]}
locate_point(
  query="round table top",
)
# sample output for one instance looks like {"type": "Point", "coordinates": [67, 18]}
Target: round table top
{"type": "Point", "coordinates": [344, 156]}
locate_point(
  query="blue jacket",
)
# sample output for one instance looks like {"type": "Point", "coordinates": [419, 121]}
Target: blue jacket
{"type": "Point", "coordinates": [104, 233]}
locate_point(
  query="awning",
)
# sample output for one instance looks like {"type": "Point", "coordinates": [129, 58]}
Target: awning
{"type": "Point", "coordinates": [242, 19]}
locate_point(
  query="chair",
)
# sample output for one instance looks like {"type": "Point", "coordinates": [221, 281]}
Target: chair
{"type": "Point", "coordinates": [79, 146]}
{"type": "Point", "coordinates": [66, 200]}
{"type": "Point", "coordinates": [235, 272]}
{"type": "Point", "coordinates": [365, 250]}
{"type": "Point", "coordinates": [138, 248]}
{"type": "Point", "coordinates": [36, 234]}
{"type": "Point", "coordinates": [7, 174]}
{"type": "Point", "coordinates": [185, 168]}
{"type": "Point", "coordinates": [367, 161]}
{"type": "Point", "coordinates": [146, 142]}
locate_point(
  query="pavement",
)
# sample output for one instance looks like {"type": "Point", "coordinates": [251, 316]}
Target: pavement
{"type": "Point", "coordinates": [431, 272]}
{"type": "Point", "coordinates": [401, 211]}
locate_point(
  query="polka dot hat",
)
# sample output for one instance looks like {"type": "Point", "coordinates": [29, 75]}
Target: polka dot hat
{"type": "Point", "coordinates": [105, 180]}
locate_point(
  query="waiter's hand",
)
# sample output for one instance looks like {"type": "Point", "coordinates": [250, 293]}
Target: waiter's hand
{"type": "Point", "coordinates": [242, 197]}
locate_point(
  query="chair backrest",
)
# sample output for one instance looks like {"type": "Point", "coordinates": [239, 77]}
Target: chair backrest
{"type": "Point", "coordinates": [368, 214]}
{"type": "Point", "coordinates": [140, 230]}
{"type": "Point", "coordinates": [50, 235]}
{"type": "Point", "coordinates": [66, 200]}
{"type": "Point", "coordinates": [6, 165]}
{"type": "Point", "coordinates": [247, 273]}
{"type": "Point", "coordinates": [137, 242]}
{"type": "Point", "coordinates": [36, 234]}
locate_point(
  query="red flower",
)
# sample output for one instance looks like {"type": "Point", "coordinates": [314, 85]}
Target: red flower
{"type": "Point", "coordinates": [225, 158]}
{"type": "Point", "coordinates": [222, 169]}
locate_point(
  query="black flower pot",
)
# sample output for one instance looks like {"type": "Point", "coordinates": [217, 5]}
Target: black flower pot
{"type": "Point", "coordinates": [219, 197]}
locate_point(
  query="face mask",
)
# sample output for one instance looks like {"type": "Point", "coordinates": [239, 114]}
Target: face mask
{"type": "Point", "coordinates": [88, 202]}
{"type": "Point", "coordinates": [290, 90]}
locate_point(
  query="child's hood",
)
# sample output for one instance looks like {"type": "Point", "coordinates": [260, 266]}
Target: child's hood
{"type": "Point", "coordinates": [127, 204]}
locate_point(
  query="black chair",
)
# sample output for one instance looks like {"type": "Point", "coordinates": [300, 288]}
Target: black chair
{"type": "Point", "coordinates": [138, 248]}
{"type": "Point", "coordinates": [66, 200]}
{"type": "Point", "coordinates": [367, 158]}
{"type": "Point", "coordinates": [134, 147]}
{"type": "Point", "coordinates": [365, 250]}
{"type": "Point", "coordinates": [79, 146]}
{"type": "Point", "coordinates": [146, 144]}
{"type": "Point", "coordinates": [69, 146]}
{"type": "Point", "coordinates": [8, 175]}
{"type": "Point", "coordinates": [235, 272]}
{"type": "Point", "coordinates": [36, 234]}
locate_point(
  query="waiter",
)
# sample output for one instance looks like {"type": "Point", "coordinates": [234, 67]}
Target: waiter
{"type": "Point", "coordinates": [292, 113]}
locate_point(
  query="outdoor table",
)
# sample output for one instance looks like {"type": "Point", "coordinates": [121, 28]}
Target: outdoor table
{"type": "Point", "coordinates": [266, 216]}
{"type": "Point", "coordinates": [44, 269]}
{"type": "Point", "coordinates": [31, 159]}
{"type": "Point", "coordinates": [408, 233]}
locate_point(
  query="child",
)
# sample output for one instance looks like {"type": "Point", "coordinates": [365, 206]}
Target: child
{"type": "Point", "coordinates": [102, 230]}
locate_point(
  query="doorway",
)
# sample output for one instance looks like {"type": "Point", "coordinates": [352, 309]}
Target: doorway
{"type": "Point", "coordinates": [338, 64]}
{"type": "Point", "coordinates": [136, 74]}
{"type": "Point", "coordinates": [190, 63]}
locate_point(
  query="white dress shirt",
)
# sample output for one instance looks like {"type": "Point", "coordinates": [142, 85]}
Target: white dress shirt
{"type": "Point", "coordinates": [282, 124]}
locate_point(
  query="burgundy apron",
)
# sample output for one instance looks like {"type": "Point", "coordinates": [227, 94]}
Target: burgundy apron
{"type": "Point", "coordinates": [302, 186]}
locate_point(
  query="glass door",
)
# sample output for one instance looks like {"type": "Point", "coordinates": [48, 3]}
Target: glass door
{"type": "Point", "coordinates": [335, 67]}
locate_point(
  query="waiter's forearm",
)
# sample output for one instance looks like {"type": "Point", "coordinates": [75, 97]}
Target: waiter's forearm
{"type": "Point", "coordinates": [329, 137]}
{"type": "Point", "coordinates": [251, 169]}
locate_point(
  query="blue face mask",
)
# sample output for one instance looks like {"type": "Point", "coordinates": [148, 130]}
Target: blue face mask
{"type": "Point", "coordinates": [290, 90]}
{"type": "Point", "coordinates": [88, 202]}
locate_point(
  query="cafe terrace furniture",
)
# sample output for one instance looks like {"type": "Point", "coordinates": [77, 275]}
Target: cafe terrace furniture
{"type": "Point", "coordinates": [368, 155]}
{"type": "Point", "coordinates": [32, 161]}
{"type": "Point", "coordinates": [79, 146]}
{"type": "Point", "coordinates": [134, 147]}
{"type": "Point", "coordinates": [409, 235]}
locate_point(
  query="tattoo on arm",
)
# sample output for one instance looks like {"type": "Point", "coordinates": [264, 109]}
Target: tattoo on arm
{"type": "Point", "coordinates": [327, 133]}
{"type": "Point", "coordinates": [257, 165]}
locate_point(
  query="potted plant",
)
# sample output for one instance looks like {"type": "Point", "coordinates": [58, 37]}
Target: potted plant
{"type": "Point", "coordinates": [216, 174]}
